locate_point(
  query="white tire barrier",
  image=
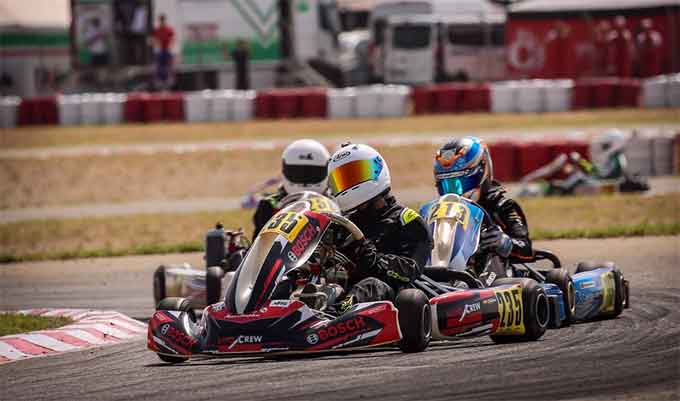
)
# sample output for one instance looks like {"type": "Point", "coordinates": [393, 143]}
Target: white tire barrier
{"type": "Point", "coordinates": [673, 90]}
{"type": "Point", "coordinates": [92, 109]}
{"type": "Point", "coordinates": [531, 96]}
{"type": "Point", "coordinates": [662, 155]}
{"type": "Point", "coordinates": [112, 108]}
{"type": "Point", "coordinates": [341, 103]}
{"type": "Point", "coordinates": [9, 107]}
{"type": "Point", "coordinates": [558, 95]}
{"type": "Point", "coordinates": [503, 97]}
{"type": "Point", "coordinates": [221, 105]}
{"type": "Point", "coordinates": [394, 101]}
{"type": "Point", "coordinates": [655, 92]}
{"type": "Point", "coordinates": [639, 154]}
{"type": "Point", "coordinates": [367, 101]}
{"type": "Point", "coordinates": [196, 106]}
{"type": "Point", "coordinates": [243, 105]}
{"type": "Point", "coordinates": [68, 107]}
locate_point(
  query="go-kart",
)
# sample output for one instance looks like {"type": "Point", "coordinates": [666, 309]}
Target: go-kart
{"type": "Point", "coordinates": [298, 249]}
{"type": "Point", "coordinates": [224, 250]}
{"type": "Point", "coordinates": [596, 290]}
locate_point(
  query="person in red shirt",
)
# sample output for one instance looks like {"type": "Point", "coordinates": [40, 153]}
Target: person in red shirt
{"type": "Point", "coordinates": [559, 52]}
{"type": "Point", "coordinates": [600, 61]}
{"type": "Point", "coordinates": [650, 49]}
{"type": "Point", "coordinates": [163, 37]}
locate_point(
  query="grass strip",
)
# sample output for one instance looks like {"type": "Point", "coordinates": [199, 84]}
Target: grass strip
{"type": "Point", "coordinates": [549, 218]}
{"type": "Point", "coordinates": [15, 323]}
{"type": "Point", "coordinates": [47, 136]}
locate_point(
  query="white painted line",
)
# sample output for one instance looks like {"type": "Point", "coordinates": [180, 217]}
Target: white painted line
{"type": "Point", "coordinates": [47, 342]}
{"type": "Point", "coordinates": [10, 352]}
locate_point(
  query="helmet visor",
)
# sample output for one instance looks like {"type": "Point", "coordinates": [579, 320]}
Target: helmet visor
{"type": "Point", "coordinates": [304, 174]}
{"type": "Point", "coordinates": [353, 173]}
{"type": "Point", "coordinates": [460, 182]}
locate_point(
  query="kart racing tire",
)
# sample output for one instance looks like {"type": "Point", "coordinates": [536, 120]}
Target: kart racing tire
{"type": "Point", "coordinates": [159, 291]}
{"type": "Point", "coordinates": [535, 308]}
{"type": "Point", "coordinates": [562, 279]}
{"type": "Point", "coordinates": [213, 284]}
{"type": "Point", "coordinates": [176, 304]}
{"type": "Point", "coordinates": [415, 320]}
{"type": "Point", "coordinates": [621, 290]}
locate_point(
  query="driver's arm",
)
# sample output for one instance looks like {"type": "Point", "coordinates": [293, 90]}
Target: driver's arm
{"type": "Point", "coordinates": [514, 224]}
{"type": "Point", "coordinates": [402, 266]}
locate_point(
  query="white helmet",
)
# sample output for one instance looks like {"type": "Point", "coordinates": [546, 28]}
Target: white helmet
{"type": "Point", "coordinates": [305, 164]}
{"type": "Point", "coordinates": [356, 174]}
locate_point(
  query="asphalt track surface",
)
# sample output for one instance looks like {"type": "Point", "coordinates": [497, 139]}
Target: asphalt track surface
{"type": "Point", "coordinates": [633, 357]}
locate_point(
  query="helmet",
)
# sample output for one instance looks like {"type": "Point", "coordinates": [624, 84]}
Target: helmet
{"type": "Point", "coordinates": [462, 166]}
{"type": "Point", "coordinates": [612, 140]}
{"type": "Point", "coordinates": [304, 166]}
{"type": "Point", "coordinates": [356, 174]}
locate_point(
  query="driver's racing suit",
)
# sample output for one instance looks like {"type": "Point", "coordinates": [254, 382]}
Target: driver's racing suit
{"type": "Point", "coordinates": [393, 254]}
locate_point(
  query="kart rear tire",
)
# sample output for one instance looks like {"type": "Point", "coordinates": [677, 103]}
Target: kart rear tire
{"type": "Point", "coordinates": [176, 304]}
{"type": "Point", "coordinates": [213, 284]}
{"type": "Point", "coordinates": [562, 279]}
{"type": "Point", "coordinates": [159, 290]}
{"type": "Point", "coordinates": [535, 308]}
{"type": "Point", "coordinates": [591, 265]}
{"type": "Point", "coordinates": [415, 320]}
{"type": "Point", "coordinates": [621, 289]}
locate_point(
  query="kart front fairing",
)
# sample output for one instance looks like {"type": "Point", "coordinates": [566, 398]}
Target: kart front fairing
{"type": "Point", "coordinates": [455, 224]}
{"type": "Point", "coordinates": [248, 321]}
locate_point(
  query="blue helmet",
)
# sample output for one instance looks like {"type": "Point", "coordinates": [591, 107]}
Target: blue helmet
{"type": "Point", "coordinates": [462, 166]}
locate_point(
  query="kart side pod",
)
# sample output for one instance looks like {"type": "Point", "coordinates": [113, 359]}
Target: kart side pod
{"type": "Point", "coordinates": [516, 309]}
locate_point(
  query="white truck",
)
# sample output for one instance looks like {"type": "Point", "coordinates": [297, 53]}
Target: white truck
{"type": "Point", "coordinates": [465, 41]}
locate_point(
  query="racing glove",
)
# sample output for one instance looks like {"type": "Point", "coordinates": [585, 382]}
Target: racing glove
{"type": "Point", "coordinates": [493, 239]}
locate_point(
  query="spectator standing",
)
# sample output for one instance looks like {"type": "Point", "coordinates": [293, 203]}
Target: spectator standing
{"type": "Point", "coordinates": [163, 37]}
{"type": "Point", "coordinates": [649, 49]}
{"type": "Point", "coordinates": [96, 42]}
{"type": "Point", "coordinates": [241, 57]}
{"type": "Point", "coordinates": [620, 49]}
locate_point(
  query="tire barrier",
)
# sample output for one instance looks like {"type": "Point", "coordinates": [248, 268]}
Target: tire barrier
{"type": "Point", "coordinates": [374, 101]}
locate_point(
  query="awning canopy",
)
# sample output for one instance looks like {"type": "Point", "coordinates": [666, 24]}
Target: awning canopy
{"type": "Point", "coordinates": [35, 14]}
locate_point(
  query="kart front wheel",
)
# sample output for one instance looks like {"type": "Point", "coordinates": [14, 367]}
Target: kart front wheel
{"type": "Point", "coordinates": [181, 305]}
{"type": "Point", "coordinates": [562, 279]}
{"type": "Point", "coordinates": [415, 320]}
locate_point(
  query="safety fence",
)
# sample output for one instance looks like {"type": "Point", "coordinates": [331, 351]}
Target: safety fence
{"type": "Point", "coordinates": [375, 101]}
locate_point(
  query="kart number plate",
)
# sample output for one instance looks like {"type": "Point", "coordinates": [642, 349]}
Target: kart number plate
{"type": "Point", "coordinates": [450, 210]}
{"type": "Point", "coordinates": [608, 285]}
{"type": "Point", "coordinates": [510, 311]}
{"type": "Point", "coordinates": [320, 205]}
{"type": "Point", "coordinates": [287, 224]}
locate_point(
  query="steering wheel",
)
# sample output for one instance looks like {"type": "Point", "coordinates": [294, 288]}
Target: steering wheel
{"type": "Point", "coordinates": [354, 231]}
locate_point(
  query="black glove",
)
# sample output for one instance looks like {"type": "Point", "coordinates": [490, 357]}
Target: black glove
{"type": "Point", "coordinates": [359, 253]}
{"type": "Point", "coordinates": [494, 240]}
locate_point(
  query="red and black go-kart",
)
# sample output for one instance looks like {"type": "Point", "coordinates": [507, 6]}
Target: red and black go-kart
{"type": "Point", "coordinates": [298, 247]}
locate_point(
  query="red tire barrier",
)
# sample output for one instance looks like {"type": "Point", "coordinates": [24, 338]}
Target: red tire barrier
{"type": "Point", "coordinates": [605, 92]}
{"type": "Point", "coordinates": [173, 106]}
{"type": "Point", "coordinates": [286, 104]}
{"type": "Point", "coordinates": [475, 97]}
{"type": "Point", "coordinates": [628, 93]}
{"type": "Point", "coordinates": [314, 103]}
{"type": "Point", "coordinates": [264, 105]}
{"type": "Point", "coordinates": [566, 147]}
{"type": "Point", "coordinates": [581, 95]}
{"type": "Point", "coordinates": [423, 100]}
{"type": "Point", "coordinates": [134, 107]}
{"type": "Point", "coordinates": [38, 111]}
{"type": "Point", "coordinates": [504, 158]}
{"type": "Point", "coordinates": [532, 155]}
{"type": "Point", "coordinates": [152, 108]}
{"type": "Point", "coordinates": [445, 97]}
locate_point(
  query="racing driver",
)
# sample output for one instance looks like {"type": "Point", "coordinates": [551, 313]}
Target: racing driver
{"type": "Point", "coordinates": [463, 167]}
{"type": "Point", "coordinates": [396, 244]}
{"type": "Point", "coordinates": [304, 167]}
